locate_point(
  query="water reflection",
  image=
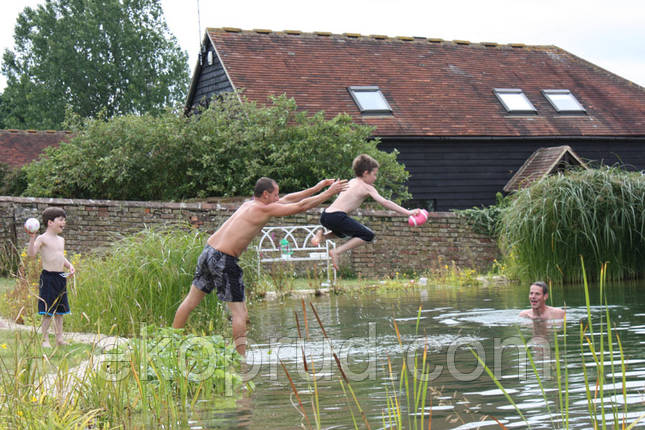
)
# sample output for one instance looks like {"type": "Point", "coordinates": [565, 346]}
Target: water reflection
{"type": "Point", "coordinates": [451, 324]}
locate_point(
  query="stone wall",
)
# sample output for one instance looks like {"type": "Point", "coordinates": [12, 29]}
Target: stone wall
{"type": "Point", "coordinates": [92, 224]}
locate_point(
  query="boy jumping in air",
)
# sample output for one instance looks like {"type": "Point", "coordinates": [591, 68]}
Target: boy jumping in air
{"type": "Point", "coordinates": [336, 219]}
{"type": "Point", "coordinates": [52, 296]}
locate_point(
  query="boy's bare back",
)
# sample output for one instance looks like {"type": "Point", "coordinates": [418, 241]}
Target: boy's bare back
{"type": "Point", "coordinates": [352, 198]}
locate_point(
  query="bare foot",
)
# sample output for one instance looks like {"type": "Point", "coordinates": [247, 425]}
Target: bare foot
{"type": "Point", "coordinates": [315, 241]}
{"type": "Point", "coordinates": [46, 344]}
{"type": "Point", "coordinates": [334, 262]}
{"type": "Point", "coordinates": [61, 343]}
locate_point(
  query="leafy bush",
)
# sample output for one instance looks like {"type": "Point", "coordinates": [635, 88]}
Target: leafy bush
{"type": "Point", "coordinates": [13, 181]}
{"type": "Point", "coordinates": [220, 152]}
{"type": "Point", "coordinates": [598, 214]}
{"type": "Point", "coordinates": [485, 220]}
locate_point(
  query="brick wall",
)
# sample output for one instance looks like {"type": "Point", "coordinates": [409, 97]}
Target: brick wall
{"type": "Point", "coordinates": [93, 224]}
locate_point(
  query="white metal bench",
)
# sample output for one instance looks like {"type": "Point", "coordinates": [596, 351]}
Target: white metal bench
{"type": "Point", "coordinates": [293, 243]}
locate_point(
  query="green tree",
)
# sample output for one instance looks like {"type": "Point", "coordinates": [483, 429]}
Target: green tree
{"type": "Point", "coordinates": [3, 113]}
{"type": "Point", "coordinates": [221, 152]}
{"type": "Point", "coordinates": [91, 56]}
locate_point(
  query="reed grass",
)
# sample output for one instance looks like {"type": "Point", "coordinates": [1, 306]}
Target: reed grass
{"type": "Point", "coordinates": [596, 213]}
{"type": "Point", "coordinates": [154, 381]}
{"type": "Point", "coordinates": [9, 259]}
{"type": "Point", "coordinates": [416, 395]}
{"type": "Point", "coordinates": [594, 342]}
{"type": "Point", "coordinates": [141, 278]}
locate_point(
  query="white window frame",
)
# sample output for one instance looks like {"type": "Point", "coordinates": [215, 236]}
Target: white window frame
{"type": "Point", "coordinates": [499, 93]}
{"type": "Point", "coordinates": [387, 110]}
{"type": "Point", "coordinates": [548, 93]}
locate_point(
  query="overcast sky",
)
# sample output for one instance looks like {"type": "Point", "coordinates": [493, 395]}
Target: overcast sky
{"type": "Point", "coordinates": [610, 34]}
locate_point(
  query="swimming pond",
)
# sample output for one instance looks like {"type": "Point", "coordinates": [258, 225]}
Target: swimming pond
{"type": "Point", "coordinates": [448, 323]}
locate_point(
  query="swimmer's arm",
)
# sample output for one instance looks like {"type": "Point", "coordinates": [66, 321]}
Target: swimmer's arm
{"type": "Point", "coordinates": [388, 203]}
{"type": "Point", "coordinates": [299, 195]}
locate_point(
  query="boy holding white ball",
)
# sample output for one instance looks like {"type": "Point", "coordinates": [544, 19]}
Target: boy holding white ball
{"type": "Point", "coordinates": [52, 300]}
{"type": "Point", "coordinates": [336, 219]}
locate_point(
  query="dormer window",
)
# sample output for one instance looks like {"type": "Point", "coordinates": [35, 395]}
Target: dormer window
{"type": "Point", "coordinates": [563, 101]}
{"type": "Point", "coordinates": [514, 100]}
{"type": "Point", "coordinates": [370, 100]}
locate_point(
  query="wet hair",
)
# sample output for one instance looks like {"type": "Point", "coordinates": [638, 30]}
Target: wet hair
{"type": "Point", "coordinates": [545, 287]}
{"type": "Point", "coordinates": [364, 163]}
{"type": "Point", "coordinates": [51, 213]}
{"type": "Point", "coordinates": [264, 184]}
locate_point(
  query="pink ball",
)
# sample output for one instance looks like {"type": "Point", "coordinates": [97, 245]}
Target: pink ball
{"type": "Point", "coordinates": [418, 219]}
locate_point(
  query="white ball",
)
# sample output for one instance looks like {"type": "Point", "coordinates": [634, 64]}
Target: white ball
{"type": "Point", "coordinates": [32, 225]}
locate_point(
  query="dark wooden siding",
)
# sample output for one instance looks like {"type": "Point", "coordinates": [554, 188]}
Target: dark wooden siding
{"type": "Point", "coordinates": [212, 79]}
{"type": "Point", "coordinates": [462, 173]}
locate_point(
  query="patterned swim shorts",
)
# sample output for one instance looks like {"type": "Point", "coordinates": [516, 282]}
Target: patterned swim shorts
{"type": "Point", "coordinates": [216, 270]}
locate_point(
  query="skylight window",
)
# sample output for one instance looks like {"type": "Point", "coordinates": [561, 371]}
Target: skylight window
{"type": "Point", "coordinates": [514, 100]}
{"type": "Point", "coordinates": [563, 101]}
{"type": "Point", "coordinates": [370, 100]}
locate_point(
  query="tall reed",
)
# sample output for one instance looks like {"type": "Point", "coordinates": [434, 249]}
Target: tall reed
{"type": "Point", "coordinates": [598, 343]}
{"type": "Point", "coordinates": [154, 381]}
{"type": "Point", "coordinates": [596, 213]}
{"type": "Point", "coordinates": [141, 278]}
{"type": "Point", "coordinates": [413, 385]}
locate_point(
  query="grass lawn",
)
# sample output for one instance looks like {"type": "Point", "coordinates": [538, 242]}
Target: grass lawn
{"type": "Point", "coordinates": [23, 345]}
{"type": "Point", "coordinates": [6, 284]}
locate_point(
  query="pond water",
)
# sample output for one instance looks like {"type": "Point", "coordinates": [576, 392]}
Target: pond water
{"type": "Point", "coordinates": [451, 321]}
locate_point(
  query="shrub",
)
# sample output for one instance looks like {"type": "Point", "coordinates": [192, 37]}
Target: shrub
{"type": "Point", "coordinates": [13, 181]}
{"type": "Point", "coordinates": [220, 152]}
{"type": "Point", "coordinates": [485, 220]}
{"type": "Point", "coordinates": [598, 214]}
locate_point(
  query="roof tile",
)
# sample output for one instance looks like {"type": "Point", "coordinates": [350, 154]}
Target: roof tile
{"type": "Point", "coordinates": [435, 88]}
{"type": "Point", "coordinates": [19, 147]}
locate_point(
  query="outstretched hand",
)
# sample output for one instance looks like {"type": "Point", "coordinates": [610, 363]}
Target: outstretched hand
{"type": "Point", "coordinates": [338, 186]}
{"type": "Point", "coordinates": [324, 183]}
{"type": "Point", "coordinates": [415, 212]}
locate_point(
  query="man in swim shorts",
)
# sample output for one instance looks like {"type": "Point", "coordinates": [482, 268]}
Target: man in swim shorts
{"type": "Point", "coordinates": [217, 266]}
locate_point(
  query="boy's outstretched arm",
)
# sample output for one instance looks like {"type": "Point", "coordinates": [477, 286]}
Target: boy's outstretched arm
{"type": "Point", "coordinates": [390, 204]}
{"type": "Point", "coordinates": [299, 195]}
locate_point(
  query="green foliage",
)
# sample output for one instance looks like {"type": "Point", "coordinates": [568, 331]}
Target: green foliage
{"type": "Point", "coordinates": [90, 55]}
{"type": "Point", "coordinates": [142, 278]}
{"type": "Point", "coordinates": [486, 220]}
{"type": "Point", "coordinates": [126, 158]}
{"type": "Point", "coordinates": [598, 214]}
{"type": "Point", "coordinates": [210, 359]}
{"type": "Point", "coordinates": [31, 398]}
{"type": "Point", "coordinates": [221, 152]}
{"type": "Point", "coordinates": [155, 381]}
{"type": "Point", "coordinates": [13, 181]}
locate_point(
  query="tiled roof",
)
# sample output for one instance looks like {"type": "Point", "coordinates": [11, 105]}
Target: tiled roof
{"type": "Point", "coordinates": [19, 147]}
{"type": "Point", "coordinates": [435, 87]}
{"type": "Point", "coordinates": [542, 163]}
